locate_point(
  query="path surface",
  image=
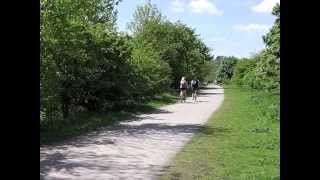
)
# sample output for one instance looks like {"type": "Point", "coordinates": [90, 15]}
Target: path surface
{"type": "Point", "coordinates": [136, 149]}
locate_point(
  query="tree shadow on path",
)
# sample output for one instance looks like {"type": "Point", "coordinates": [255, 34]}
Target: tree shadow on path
{"type": "Point", "coordinates": [57, 161]}
{"type": "Point", "coordinates": [61, 158]}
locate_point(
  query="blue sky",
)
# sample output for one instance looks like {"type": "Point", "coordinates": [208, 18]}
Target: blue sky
{"type": "Point", "coordinates": [229, 27]}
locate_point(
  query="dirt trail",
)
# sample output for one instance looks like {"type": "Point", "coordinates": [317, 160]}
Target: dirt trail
{"type": "Point", "coordinates": [136, 149]}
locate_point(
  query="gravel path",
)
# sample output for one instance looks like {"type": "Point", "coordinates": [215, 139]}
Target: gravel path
{"type": "Point", "coordinates": [136, 149]}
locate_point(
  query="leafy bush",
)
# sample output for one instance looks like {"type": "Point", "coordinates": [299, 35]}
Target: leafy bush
{"type": "Point", "coordinates": [151, 75]}
{"type": "Point", "coordinates": [226, 69]}
{"type": "Point", "coordinates": [268, 72]}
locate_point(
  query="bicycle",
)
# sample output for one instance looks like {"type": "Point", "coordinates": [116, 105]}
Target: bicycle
{"type": "Point", "coordinates": [195, 94]}
{"type": "Point", "coordinates": [182, 96]}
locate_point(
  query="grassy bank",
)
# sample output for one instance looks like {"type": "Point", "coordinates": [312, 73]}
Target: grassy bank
{"type": "Point", "coordinates": [85, 122]}
{"type": "Point", "coordinates": [241, 141]}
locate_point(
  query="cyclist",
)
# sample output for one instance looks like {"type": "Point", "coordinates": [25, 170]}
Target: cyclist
{"type": "Point", "coordinates": [195, 87]}
{"type": "Point", "coordinates": [183, 89]}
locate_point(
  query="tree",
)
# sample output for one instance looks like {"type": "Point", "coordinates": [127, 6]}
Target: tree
{"type": "Point", "coordinates": [243, 67]}
{"type": "Point", "coordinates": [226, 69]}
{"type": "Point", "coordinates": [208, 70]}
{"type": "Point", "coordinates": [70, 35]}
{"type": "Point", "coordinates": [151, 75]}
{"type": "Point", "coordinates": [176, 43]}
{"type": "Point", "coordinates": [272, 38]}
{"type": "Point", "coordinates": [268, 69]}
{"type": "Point", "coordinates": [86, 65]}
{"type": "Point", "coordinates": [143, 15]}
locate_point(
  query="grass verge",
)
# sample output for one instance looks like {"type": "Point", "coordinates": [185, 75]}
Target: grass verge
{"type": "Point", "coordinates": [241, 141]}
{"type": "Point", "coordinates": [85, 122]}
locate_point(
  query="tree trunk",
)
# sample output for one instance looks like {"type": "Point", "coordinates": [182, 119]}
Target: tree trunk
{"type": "Point", "coordinates": [65, 106]}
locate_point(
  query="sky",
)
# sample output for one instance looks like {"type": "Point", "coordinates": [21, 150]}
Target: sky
{"type": "Point", "coordinates": [228, 27]}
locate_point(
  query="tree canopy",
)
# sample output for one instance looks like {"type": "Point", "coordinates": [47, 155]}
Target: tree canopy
{"type": "Point", "coordinates": [87, 65]}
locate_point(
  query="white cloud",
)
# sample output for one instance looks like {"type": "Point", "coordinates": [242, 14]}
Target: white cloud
{"type": "Point", "coordinates": [177, 6]}
{"type": "Point", "coordinates": [265, 6]}
{"type": "Point", "coordinates": [251, 27]}
{"type": "Point", "coordinates": [204, 6]}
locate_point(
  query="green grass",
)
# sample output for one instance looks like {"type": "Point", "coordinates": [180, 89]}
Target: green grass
{"type": "Point", "coordinates": [164, 99]}
{"type": "Point", "coordinates": [85, 122]}
{"type": "Point", "coordinates": [240, 142]}
{"type": "Point", "coordinates": [155, 103]}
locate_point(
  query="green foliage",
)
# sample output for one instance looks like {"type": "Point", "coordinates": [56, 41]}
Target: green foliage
{"type": "Point", "coordinates": [78, 46]}
{"type": "Point", "coordinates": [143, 15]}
{"type": "Point", "coordinates": [151, 75]}
{"type": "Point", "coordinates": [226, 69]}
{"type": "Point", "coordinates": [262, 71]}
{"type": "Point", "coordinates": [241, 70]}
{"type": "Point", "coordinates": [208, 70]}
{"type": "Point", "coordinates": [177, 44]}
{"type": "Point", "coordinates": [272, 38]}
{"type": "Point", "coordinates": [268, 71]}
{"type": "Point", "coordinates": [87, 66]}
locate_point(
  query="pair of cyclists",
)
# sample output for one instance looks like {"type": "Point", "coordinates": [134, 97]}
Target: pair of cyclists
{"type": "Point", "coordinates": [184, 86]}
